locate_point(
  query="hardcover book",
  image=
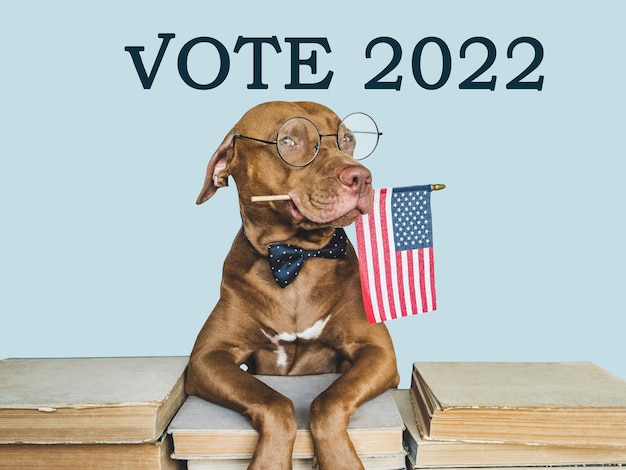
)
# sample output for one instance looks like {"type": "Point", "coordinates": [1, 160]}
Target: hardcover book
{"type": "Point", "coordinates": [567, 404]}
{"type": "Point", "coordinates": [89, 400]}
{"type": "Point", "coordinates": [202, 429]}
{"type": "Point", "coordinates": [384, 462]}
{"type": "Point", "coordinates": [142, 456]}
{"type": "Point", "coordinates": [424, 453]}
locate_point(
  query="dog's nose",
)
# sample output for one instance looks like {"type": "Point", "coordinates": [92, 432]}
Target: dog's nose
{"type": "Point", "coordinates": [355, 177]}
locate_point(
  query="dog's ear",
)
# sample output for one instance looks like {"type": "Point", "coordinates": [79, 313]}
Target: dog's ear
{"type": "Point", "coordinates": [217, 170]}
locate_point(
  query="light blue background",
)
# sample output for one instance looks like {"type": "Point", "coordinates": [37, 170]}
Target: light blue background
{"type": "Point", "coordinates": [104, 253]}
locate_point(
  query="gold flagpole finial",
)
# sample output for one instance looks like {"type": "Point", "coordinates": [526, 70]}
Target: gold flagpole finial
{"type": "Point", "coordinates": [437, 187]}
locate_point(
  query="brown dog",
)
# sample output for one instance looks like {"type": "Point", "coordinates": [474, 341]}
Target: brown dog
{"type": "Point", "coordinates": [314, 325]}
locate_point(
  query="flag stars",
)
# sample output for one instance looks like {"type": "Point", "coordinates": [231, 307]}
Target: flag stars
{"type": "Point", "coordinates": [411, 217]}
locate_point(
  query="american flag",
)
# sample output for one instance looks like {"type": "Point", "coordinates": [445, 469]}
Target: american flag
{"type": "Point", "coordinates": [395, 246]}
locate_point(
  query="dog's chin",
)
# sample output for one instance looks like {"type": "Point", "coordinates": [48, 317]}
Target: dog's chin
{"type": "Point", "coordinates": [345, 219]}
{"type": "Point", "coordinates": [341, 217]}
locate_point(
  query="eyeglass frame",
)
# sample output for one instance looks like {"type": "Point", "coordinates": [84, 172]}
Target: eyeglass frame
{"type": "Point", "coordinates": [320, 135]}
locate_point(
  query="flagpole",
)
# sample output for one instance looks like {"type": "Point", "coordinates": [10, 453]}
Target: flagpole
{"type": "Point", "coordinates": [285, 197]}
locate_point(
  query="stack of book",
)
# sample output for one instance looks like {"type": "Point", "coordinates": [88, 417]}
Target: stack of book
{"type": "Point", "coordinates": [513, 415]}
{"type": "Point", "coordinates": [132, 413]}
{"type": "Point", "coordinates": [97, 413]}
{"type": "Point", "coordinates": [208, 436]}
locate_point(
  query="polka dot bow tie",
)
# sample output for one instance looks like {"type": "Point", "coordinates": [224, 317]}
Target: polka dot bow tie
{"type": "Point", "coordinates": [287, 260]}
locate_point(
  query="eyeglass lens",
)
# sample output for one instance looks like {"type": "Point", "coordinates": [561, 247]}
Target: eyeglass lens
{"type": "Point", "coordinates": [358, 135]}
{"type": "Point", "coordinates": [298, 139]}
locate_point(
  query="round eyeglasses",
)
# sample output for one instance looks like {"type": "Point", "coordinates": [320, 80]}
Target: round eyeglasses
{"type": "Point", "coordinates": [298, 140]}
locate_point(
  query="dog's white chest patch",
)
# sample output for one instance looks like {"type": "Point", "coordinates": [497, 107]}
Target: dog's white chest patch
{"type": "Point", "coordinates": [311, 333]}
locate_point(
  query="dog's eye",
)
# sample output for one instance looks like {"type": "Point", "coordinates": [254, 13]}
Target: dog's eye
{"type": "Point", "coordinates": [286, 140]}
{"type": "Point", "coordinates": [347, 138]}
{"type": "Point", "coordinates": [346, 142]}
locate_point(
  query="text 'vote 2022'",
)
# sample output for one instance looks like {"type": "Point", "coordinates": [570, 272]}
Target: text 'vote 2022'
{"type": "Point", "coordinates": [306, 69]}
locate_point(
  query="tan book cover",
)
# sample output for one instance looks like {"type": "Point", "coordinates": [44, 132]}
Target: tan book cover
{"type": "Point", "coordinates": [89, 400]}
{"type": "Point", "coordinates": [387, 462]}
{"type": "Point", "coordinates": [430, 453]}
{"type": "Point", "coordinates": [538, 467]}
{"type": "Point", "coordinates": [566, 403]}
{"type": "Point", "coordinates": [143, 456]}
{"type": "Point", "coordinates": [204, 429]}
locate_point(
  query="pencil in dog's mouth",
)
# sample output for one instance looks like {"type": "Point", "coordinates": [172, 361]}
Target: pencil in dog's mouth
{"type": "Point", "coordinates": [271, 197]}
{"type": "Point", "coordinates": [295, 212]}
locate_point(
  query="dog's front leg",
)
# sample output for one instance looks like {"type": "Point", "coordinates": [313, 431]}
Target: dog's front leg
{"type": "Point", "coordinates": [373, 372]}
{"type": "Point", "coordinates": [216, 377]}
{"type": "Point", "coordinates": [276, 424]}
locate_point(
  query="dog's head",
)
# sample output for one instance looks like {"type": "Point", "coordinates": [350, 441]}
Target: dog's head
{"type": "Point", "coordinates": [302, 150]}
